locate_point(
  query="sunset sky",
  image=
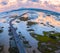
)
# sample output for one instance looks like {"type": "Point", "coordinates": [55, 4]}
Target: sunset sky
{"type": "Point", "coordinates": [6, 5]}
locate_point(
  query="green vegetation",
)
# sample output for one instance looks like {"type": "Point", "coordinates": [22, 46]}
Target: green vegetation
{"type": "Point", "coordinates": [45, 33]}
{"type": "Point", "coordinates": [24, 18]}
{"type": "Point", "coordinates": [9, 30]}
{"type": "Point", "coordinates": [45, 39]}
{"type": "Point", "coordinates": [18, 21]}
{"type": "Point", "coordinates": [1, 48]}
{"type": "Point", "coordinates": [25, 42]}
{"type": "Point", "coordinates": [34, 51]}
{"type": "Point", "coordinates": [2, 27]}
{"type": "Point", "coordinates": [13, 50]}
{"type": "Point", "coordinates": [56, 34]}
{"type": "Point", "coordinates": [31, 23]}
{"type": "Point", "coordinates": [49, 40]}
{"type": "Point", "coordinates": [1, 31]}
{"type": "Point", "coordinates": [10, 33]}
{"type": "Point", "coordinates": [43, 24]}
{"type": "Point", "coordinates": [30, 30]}
{"type": "Point", "coordinates": [12, 38]}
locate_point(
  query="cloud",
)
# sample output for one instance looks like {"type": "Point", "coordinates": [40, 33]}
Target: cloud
{"type": "Point", "coordinates": [24, 1]}
{"type": "Point", "coordinates": [3, 3]}
{"type": "Point", "coordinates": [53, 5]}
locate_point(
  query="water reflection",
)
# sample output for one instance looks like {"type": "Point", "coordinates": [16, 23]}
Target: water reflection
{"type": "Point", "coordinates": [12, 46]}
{"type": "Point", "coordinates": [4, 38]}
{"type": "Point", "coordinates": [27, 26]}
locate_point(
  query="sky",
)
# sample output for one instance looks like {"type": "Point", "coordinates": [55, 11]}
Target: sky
{"type": "Point", "coordinates": [7, 5]}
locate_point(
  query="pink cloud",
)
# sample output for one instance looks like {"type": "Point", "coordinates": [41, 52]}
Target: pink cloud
{"type": "Point", "coordinates": [44, 4]}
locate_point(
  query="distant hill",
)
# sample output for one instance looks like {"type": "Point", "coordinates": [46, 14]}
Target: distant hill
{"type": "Point", "coordinates": [35, 9]}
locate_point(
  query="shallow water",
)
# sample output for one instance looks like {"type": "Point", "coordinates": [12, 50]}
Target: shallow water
{"type": "Point", "coordinates": [4, 37]}
{"type": "Point", "coordinates": [22, 27]}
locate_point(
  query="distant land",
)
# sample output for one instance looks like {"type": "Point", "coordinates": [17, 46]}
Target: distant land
{"type": "Point", "coordinates": [35, 9]}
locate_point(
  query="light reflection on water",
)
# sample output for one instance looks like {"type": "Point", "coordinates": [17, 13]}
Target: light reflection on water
{"type": "Point", "coordinates": [22, 27]}
{"type": "Point", "coordinates": [4, 38]}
